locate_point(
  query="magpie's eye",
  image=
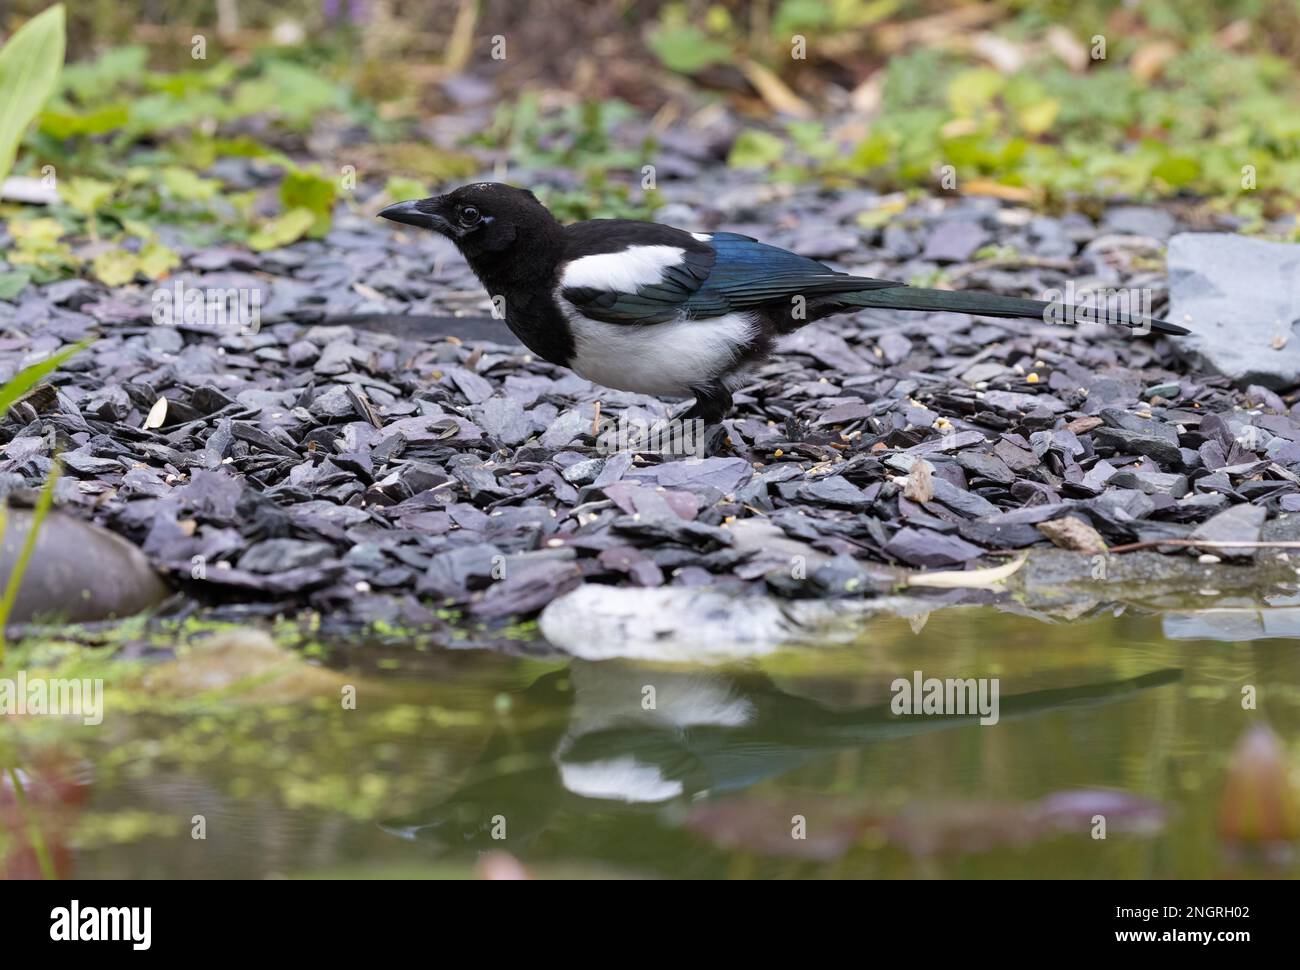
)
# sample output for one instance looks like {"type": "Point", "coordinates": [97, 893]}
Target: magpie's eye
{"type": "Point", "coordinates": [468, 216]}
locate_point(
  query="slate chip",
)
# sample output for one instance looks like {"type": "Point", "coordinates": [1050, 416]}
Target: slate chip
{"type": "Point", "coordinates": [929, 549]}
{"type": "Point", "coordinates": [283, 555]}
{"type": "Point", "coordinates": [1135, 443]}
{"type": "Point", "coordinates": [1241, 523]}
{"type": "Point", "coordinates": [832, 491]}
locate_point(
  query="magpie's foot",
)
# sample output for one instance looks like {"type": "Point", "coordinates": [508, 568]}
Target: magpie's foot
{"type": "Point", "coordinates": [715, 440]}
{"type": "Point", "coordinates": [712, 403]}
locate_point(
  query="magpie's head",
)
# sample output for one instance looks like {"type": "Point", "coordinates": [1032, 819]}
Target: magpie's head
{"type": "Point", "coordinates": [482, 219]}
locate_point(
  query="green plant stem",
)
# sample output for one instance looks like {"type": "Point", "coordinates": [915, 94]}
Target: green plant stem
{"type": "Point", "coordinates": [33, 830]}
{"type": "Point", "coordinates": [4, 527]}
{"type": "Point", "coordinates": [42, 509]}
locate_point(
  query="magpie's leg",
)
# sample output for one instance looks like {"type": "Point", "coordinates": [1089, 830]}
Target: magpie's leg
{"type": "Point", "coordinates": [712, 402]}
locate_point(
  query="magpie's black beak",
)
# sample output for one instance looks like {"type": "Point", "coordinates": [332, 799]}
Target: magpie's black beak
{"type": "Point", "coordinates": [416, 213]}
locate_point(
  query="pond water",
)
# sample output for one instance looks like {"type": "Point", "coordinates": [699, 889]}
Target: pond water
{"type": "Point", "coordinates": [789, 765]}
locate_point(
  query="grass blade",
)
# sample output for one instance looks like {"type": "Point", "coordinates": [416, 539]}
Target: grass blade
{"type": "Point", "coordinates": [30, 64]}
{"type": "Point", "coordinates": [34, 832]}
{"type": "Point", "coordinates": [29, 377]}
{"type": "Point", "coordinates": [43, 505]}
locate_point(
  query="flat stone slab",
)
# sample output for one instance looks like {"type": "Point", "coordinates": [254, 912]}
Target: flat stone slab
{"type": "Point", "coordinates": [1240, 297]}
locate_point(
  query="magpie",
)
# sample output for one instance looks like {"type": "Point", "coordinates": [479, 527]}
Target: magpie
{"type": "Point", "coordinates": [643, 307]}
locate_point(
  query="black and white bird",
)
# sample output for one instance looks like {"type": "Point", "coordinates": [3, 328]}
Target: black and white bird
{"type": "Point", "coordinates": [647, 308]}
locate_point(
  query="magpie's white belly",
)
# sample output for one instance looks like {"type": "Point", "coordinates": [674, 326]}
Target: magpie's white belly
{"type": "Point", "coordinates": [662, 359]}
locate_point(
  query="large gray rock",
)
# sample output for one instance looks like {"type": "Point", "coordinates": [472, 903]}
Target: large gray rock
{"type": "Point", "coordinates": [78, 571]}
{"type": "Point", "coordinates": [1240, 298]}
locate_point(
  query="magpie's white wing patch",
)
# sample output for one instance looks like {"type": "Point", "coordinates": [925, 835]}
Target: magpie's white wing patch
{"type": "Point", "coordinates": [622, 272]}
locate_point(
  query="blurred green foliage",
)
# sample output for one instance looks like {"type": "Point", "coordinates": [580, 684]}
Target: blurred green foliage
{"type": "Point", "coordinates": [579, 139]}
{"type": "Point", "coordinates": [1169, 107]}
{"type": "Point", "coordinates": [1185, 102]}
{"type": "Point", "coordinates": [139, 142]}
{"type": "Point", "coordinates": [1221, 126]}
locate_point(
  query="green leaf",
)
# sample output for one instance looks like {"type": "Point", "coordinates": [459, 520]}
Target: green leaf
{"type": "Point", "coordinates": [1038, 117]}
{"type": "Point", "coordinates": [13, 282]}
{"type": "Point", "coordinates": [36, 244]}
{"type": "Point", "coordinates": [794, 16]}
{"type": "Point", "coordinates": [756, 149]}
{"type": "Point", "coordinates": [970, 91]}
{"type": "Point", "coordinates": [246, 147]}
{"type": "Point", "coordinates": [686, 49]}
{"type": "Point", "coordinates": [116, 267]}
{"type": "Point", "coordinates": [1034, 109]}
{"type": "Point", "coordinates": [137, 228]}
{"type": "Point", "coordinates": [281, 231]}
{"type": "Point", "coordinates": [812, 139]}
{"type": "Point", "coordinates": [35, 233]}
{"type": "Point", "coordinates": [100, 121]}
{"type": "Point", "coordinates": [160, 112]}
{"type": "Point", "coordinates": [872, 152]}
{"type": "Point", "coordinates": [157, 260]}
{"type": "Point", "coordinates": [298, 94]}
{"type": "Point", "coordinates": [183, 184]}
{"type": "Point", "coordinates": [29, 69]}
{"type": "Point", "coordinates": [85, 195]}
{"type": "Point", "coordinates": [399, 188]}
{"type": "Point", "coordinates": [27, 378]}
{"type": "Point", "coordinates": [92, 81]}
{"type": "Point", "coordinates": [308, 189]}
{"type": "Point", "coordinates": [1177, 171]}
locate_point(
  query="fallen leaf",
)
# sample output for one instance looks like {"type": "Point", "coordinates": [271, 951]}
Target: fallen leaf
{"type": "Point", "coordinates": [1150, 59]}
{"type": "Point", "coordinates": [996, 190]}
{"type": "Point", "coordinates": [774, 91]}
{"type": "Point", "coordinates": [1068, 48]}
{"type": "Point", "coordinates": [966, 579]}
{"type": "Point", "coordinates": [157, 414]}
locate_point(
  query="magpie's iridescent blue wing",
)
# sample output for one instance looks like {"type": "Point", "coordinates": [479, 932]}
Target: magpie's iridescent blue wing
{"type": "Point", "coordinates": [748, 273]}
{"type": "Point", "coordinates": [642, 273]}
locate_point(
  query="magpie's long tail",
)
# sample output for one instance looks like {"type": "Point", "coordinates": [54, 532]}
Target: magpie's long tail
{"type": "Point", "coordinates": [993, 305]}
